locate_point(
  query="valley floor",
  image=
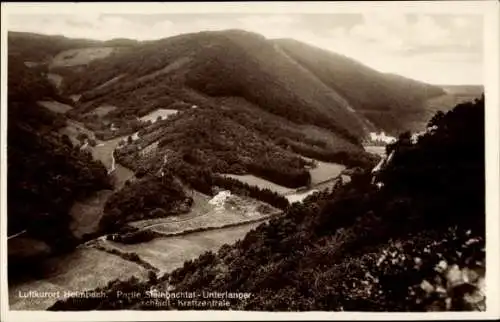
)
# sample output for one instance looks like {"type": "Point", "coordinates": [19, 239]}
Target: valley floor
{"type": "Point", "coordinates": [205, 228]}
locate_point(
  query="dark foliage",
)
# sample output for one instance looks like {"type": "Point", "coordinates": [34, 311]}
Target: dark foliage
{"type": "Point", "coordinates": [46, 174]}
{"type": "Point", "coordinates": [148, 197]}
{"type": "Point", "coordinates": [240, 188]}
{"type": "Point", "coordinates": [361, 247]}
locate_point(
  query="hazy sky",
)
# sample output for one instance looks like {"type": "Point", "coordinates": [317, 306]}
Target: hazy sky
{"type": "Point", "coordinates": [436, 48]}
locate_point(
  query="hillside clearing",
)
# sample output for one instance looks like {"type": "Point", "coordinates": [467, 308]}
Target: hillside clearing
{"type": "Point", "coordinates": [75, 57]}
{"type": "Point", "coordinates": [55, 106]}
{"type": "Point", "coordinates": [164, 113]}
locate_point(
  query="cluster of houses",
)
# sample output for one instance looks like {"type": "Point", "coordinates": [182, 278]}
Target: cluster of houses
{"type": "Point", "coordinates": [381, 138]}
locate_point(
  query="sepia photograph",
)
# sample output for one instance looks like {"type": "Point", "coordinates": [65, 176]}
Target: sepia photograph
{"type": "Point", "coordinates": [255, 159]}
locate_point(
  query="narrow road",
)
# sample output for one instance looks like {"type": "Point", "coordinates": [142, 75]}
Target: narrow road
{"type": "Point", "coordinates": [17, 234]}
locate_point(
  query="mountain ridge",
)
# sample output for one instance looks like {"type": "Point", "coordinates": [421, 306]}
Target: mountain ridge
{"type": "Point", "coordinates": [208, 42]}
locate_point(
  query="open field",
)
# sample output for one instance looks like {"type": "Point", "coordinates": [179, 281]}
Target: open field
{"type": "Point", "coordinates": [164, 113]}
{"type": "Point", "coordinates": [169, 253]}
{"type": "Point", "coordinates": [298, 197]}
{"type": "Point", "coordinates": [104, 149]}
{"type": "Point", "coordinates": [83, 56]}
{"type": "Point", "coordinates": [102, 110]}
{"type": "Point", "coordinates": [218, 217]}
{"type": "Point", "coordinates": [73, 128]}
{"type": "Point", "coordinates": [375, 149]}
{"type": "Point", "coordinates": [259, 182]}
{"type": "Point", "coordinates": [325, 171]}
{"type": "Point", "coordinates": [54, 106]}
{"type": "Point", "coordinates": [203, 215]}
{"type": "Point", "coordinates": [87, 213]}
{"type": "Point", "coordinates": [83, 269]}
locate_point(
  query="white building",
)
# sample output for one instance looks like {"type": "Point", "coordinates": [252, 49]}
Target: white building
{"type": "Point", "coordinates": [219, 200]}
{"type": "Point", "coordinates": [382, 137]}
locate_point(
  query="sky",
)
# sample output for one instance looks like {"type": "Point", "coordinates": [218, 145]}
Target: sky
{"type": "Point", "coordinates": [444, 49]}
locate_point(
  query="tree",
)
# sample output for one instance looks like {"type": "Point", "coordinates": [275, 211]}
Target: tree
{"type": "Point", "coordinates": [436, 119]}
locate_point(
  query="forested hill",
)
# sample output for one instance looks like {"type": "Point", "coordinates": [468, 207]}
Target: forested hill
{"type": "Point", "coordinates": [288, 79]}
{"type": "Point", "coordinates": [46, 174]}
{"type": "Point", "coordinates": [414, 242]}
{"type": "Point", "coordinates": [260, 105]}
{"type": "Point", "coordinates": [391, 102]}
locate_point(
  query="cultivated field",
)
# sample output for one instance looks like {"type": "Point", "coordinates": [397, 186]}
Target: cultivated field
{"type": "Point", "coordinates": [83, 269]}
{"type": "Point", "coordinates": [169, 253]}
{"type": "Point", "coordinates": [325, 171]}
{"type": "Point", "coordinates": [298, 197]}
